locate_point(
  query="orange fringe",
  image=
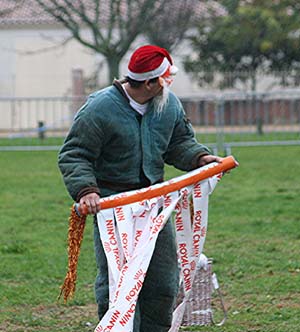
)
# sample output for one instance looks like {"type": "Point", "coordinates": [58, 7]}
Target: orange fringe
{"type": "Point", "coordinates": [75, 236]}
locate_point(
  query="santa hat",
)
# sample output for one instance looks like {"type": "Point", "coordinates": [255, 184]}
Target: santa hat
{"type": "Point", "coordinates": [150, 61]}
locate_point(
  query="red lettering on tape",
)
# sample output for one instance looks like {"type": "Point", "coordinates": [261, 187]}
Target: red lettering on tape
{"type": "Point", "coordinates": [158, 222]}
{"type": "Point", "coordinates": [124, 240]}
{"type": "Point", "coordinates": [187, 279]}
{"type": "Point", "coordinates": [196, 240]}
{"type": "Point", "coordinates": [138, 234]}
{"type": "Point", "coordinates": [107, 247]}
{"type": "Point", "coordinates": [143, 214]}
{"type": "Point", "coordinates": [183, 254]}
{"type": "Point", "coordinates": [197, 220]}
{"type": "Point", "coordinates": [197, 191]}
{"type": "Point", "coordinates": [120, 213]}
{"type": "Point", "coordinates": [179, 222]}
{"type": "Point", "coordinates": [132, 294]}
{"type": "Point", "coordinates": [112, 322]}
{"type": "Point", "coordinates": [128, 314]}
{"type": "Point", "coordinates": [167, 201]}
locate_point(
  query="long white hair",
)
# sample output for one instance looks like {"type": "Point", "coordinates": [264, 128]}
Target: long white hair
{"type": "Point", "coordinates": [161, 100]}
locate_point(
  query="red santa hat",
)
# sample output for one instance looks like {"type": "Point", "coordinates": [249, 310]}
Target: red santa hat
{"type": "Point", "coordinates": [150, 61]}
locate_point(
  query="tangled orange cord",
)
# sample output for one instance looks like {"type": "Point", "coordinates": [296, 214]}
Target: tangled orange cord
{"type": "Point", "coordinates": [75, 236]}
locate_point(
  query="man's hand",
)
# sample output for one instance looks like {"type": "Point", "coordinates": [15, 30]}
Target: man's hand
{"type": "Point", "coordinates": [92, 202]}
{"type": "Point", "coordinates": [209, 158]}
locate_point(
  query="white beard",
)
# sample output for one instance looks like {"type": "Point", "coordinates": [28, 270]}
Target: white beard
{"type": "Point", "coordinates": [161, 100]}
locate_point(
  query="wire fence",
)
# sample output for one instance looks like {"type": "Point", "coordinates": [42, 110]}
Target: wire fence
{"type": "Point", "coordinates": [221, 121]}
{"type": "Point", "coordinates": [36, 123]}
{"type": "Point", "coordinates": [246, 119]}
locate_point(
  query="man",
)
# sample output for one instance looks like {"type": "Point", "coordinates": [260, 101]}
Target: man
{"type": "Point", "coordinates": [119, 141]}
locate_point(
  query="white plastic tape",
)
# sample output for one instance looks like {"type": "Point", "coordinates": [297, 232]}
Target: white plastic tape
{"type": "Point", "coordinates": [129, 234]}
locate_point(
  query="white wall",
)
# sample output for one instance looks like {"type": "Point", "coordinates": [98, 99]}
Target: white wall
{"type": "Point", "coordinates": [30, 66]}
{"type": "Point", "coordinates": [7, 63]}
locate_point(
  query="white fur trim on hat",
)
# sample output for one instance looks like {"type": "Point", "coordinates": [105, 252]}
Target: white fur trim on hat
{"type": "Point", "coordinates": [173, 70]}
{"type": "Point", "coordinates": [150, 74]}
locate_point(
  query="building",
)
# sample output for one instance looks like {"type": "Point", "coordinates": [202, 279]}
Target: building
{"type": "Point", "coordinates": [38, 57]}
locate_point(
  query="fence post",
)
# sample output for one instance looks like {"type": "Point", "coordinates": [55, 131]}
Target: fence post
{"type": "Point", "coordinates": [13, 113]}
{"type": "Point", "coordinates": [219, 122]}
{"type": "Point", "coordinates": [258, 115]}
{"type": "Point", "coordinates": [77, 89]}
{"type": "Point", "coordinates": [41, 130]}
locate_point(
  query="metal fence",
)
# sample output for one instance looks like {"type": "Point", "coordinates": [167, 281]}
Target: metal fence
{"type": "Point", "coordinates": [25, 115]}
{"type": "Point", "coordinates": [246, 119]}
{"type": "Point", "coordinates": [36, 123]}
{"type": "Point", "coordinates": [221, 121]}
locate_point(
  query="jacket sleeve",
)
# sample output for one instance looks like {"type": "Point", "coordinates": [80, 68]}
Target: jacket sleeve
{"type": "Point", "coordinates": [77, 156]}
{"type": "Point", "coordinates": [184, 150]}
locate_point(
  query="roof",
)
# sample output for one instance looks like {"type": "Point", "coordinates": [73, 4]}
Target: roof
{"type": "Point", "coordinates": [28, 12]}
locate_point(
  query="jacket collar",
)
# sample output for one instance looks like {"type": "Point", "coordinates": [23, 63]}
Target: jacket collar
{"type": "Point", "coordinates": [118, 85]}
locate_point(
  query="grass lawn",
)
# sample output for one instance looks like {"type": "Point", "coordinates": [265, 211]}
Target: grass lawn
{"type": "Point", "coordinates": [235, 136]}
{"type": "Point", "coordinates": [253, 237]}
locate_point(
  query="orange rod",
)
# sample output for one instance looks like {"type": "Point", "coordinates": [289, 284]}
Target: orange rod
{"type": "Point", "coordinates": [162, 188]}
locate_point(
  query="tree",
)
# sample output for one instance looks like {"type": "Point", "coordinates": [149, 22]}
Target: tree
{"type": "Point", "coordinates": [171, 26]}
{"type": "Point", "coordinates": [252, 36]}
{"type": "Point", "coordinates": [108, 27]}
{"type": "Point", "coordinates": [285, 57]}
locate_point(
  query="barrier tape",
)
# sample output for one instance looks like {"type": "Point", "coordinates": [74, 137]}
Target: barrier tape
{"type": "Point", "coordinates": [190, 239]}
{"type": "Point", "coordinates": [122, 248]}
{"type": "Point", "coordinates": [127, 281]}
{"type": "Point", "coordinates": [129, 257]}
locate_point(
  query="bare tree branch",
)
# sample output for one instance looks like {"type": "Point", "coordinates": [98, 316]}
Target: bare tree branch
{"type": "Point", "coordinates": [55, 45]}
{"type": "Point", "coordinates": [173, 23]}
{"type": "Point", "coordinates": [108, 27]}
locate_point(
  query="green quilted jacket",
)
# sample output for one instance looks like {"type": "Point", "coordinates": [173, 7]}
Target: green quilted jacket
{"type": "Point", "coordinates": [109, 141]}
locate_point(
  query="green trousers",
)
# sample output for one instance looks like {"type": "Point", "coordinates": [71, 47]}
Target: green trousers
{"type": "Point", "coordinates": [158, 295]}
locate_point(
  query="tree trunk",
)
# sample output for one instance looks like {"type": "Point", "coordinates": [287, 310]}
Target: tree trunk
{"type": "Point", "coordinates": [253, 81]}
{"type": "Point", "coordinates": [113, 63]}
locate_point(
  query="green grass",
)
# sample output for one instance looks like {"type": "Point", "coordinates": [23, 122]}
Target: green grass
{"type": "Point", "coordinates": [253, 237]}
{"type": "Point", "coordinates": [30, 141]}
{"type": "Point", "coordinates": [202, 135]}
{"type": "Point", "coordinates": [236, 136]}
